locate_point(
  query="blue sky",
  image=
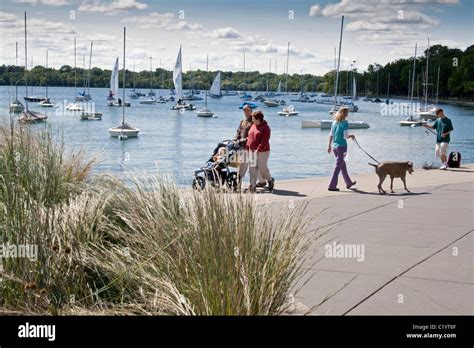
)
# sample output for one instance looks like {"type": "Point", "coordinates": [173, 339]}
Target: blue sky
{"type": "Point", "coordinates": [375, 31]}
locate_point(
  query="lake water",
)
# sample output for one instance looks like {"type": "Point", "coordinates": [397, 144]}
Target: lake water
{"type": "Point", "coordinates": [177, 143]}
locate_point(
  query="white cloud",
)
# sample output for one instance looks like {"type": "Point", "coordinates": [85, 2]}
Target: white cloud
{"type": "Point", "coordinates": [314, 10]}
{"type": "Point", "coordinates": [152, 20]}
{"type": "Point", "coordinates": [111, 7]}
{"type": "Point", "coordinates": [183, 25]}
{"type": "Point", "coordinates": [225, 33]}
{"type": "Point", "coordinates": [44, 2]}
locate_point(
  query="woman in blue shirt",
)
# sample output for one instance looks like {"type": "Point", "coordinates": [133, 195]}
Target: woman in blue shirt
{"type": "Point", "coordinates": [337, 139]}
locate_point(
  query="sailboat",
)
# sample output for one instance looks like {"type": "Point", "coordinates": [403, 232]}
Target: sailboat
{"type": "Point", "coordinates": [114, 87]}
{"type": "Point", "coordinates": [75, 106]}
{"type": "Point", "coordinates": [410, 120]}
{"type": "Point", "coordinates": [124, 131]}
{"type": "Point", "coordinates": [427, 112]}
{"type": "Point", "coordinates": [351, 106]}
{"type": "Point", "coordinates": [215, 91]}
{"type": "Point", "coordinates": [29, 116]}
{"type": "Point", "coordinates": [324, 124]}
{"type": "Point", "coordinates": [151, 94]}
{"type": "Point", "coordinates": [85, 95]}
{"type": "Point", "coordinates": [205, 112]}
{"type": "Point", "coordinates": [16, 106]}
{"type": "Point", "coordinates": [113, 81]}
{"type": "Point", "coordinates": [46, 103]}
{"type": "Point", "coordinates": [178, 85]}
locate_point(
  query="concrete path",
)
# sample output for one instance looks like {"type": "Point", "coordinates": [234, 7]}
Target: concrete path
{"type": "Point", "coordinates": [418, 248]}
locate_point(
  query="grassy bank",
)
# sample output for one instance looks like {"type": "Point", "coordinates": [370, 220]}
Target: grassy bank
{"type": "Point", "coordinates": [146, 249]}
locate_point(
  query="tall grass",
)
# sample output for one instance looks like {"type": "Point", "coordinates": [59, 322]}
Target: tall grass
{"type": "Point", "coordinates": [149, 248]}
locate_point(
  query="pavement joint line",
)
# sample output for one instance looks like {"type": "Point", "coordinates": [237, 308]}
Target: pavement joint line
{"type": "Point", "coordinates": [377, 207]}
{"type": "Point", "coordinates": [401, 274]}
{"type": "Point", "coordinates": [438, 280]}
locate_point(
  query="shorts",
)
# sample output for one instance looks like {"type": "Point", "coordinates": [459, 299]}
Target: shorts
{"type": "Point", "coordinates": [441, 149]}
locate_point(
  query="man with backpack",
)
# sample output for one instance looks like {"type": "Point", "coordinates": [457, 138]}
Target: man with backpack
{"type": "Point", "coordinates": [443, 127]}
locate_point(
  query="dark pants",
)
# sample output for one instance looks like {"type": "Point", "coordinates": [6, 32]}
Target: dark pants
{"type": "Point", "coordinates": [339, 152]}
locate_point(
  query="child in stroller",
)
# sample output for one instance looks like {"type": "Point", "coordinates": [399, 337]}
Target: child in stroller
{"type": "Point", "coordinates": [216, 171]}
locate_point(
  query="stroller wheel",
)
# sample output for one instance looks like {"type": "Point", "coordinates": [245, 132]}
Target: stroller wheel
{"type": "Point", "coordinates": [199, 183]}
{"type": "Point", "coordinates": [232, 181]}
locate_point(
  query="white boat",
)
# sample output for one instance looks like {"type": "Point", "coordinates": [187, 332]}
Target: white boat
{"type": "Point", "coordinates": [75, 107]}
{"type": "Point", "coordinates": [16, 106]}
{"type": "Point", "coordinates": [215, 90]}
{"type": "Point", "coordinates": [46, 103]}
{"type": "Point", "coordinates": [149, 101]}
{"type": "Point", "coordinates": [205, 112]}
{"type": "Point", "coordinates": [29, 116]}
{"type": "Point", "coordinates": [271, 103]}
{"type": "Point", "coordinates": [326, 124]}
{"type": "Point", "coordinates": [351, 106]}
{"type": "Point", "coordinates": [124, 131]}
{"type": "Point", "coordinates": [91, 116]}
{"type": "Point", "coordinates": [181, 105]}
{"type": "Point", "coordinates": [428, 113]}
{"type": "Point", "coordinates": [288, 111]}
{"type": "Point", "coordinates": [161, 100]}
{"type": "Point", "coordinates": [412, 122]}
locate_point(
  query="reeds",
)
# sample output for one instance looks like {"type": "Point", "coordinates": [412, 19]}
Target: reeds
{"type": "Point", "coordinates": [149, 248]}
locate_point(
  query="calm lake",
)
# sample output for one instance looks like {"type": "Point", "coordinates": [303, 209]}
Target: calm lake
{"type": "Point", "coordinates": [176, 144]}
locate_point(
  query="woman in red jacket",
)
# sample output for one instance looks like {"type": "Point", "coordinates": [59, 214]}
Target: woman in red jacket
{"type": "Point", "coordinates": [259, 151]}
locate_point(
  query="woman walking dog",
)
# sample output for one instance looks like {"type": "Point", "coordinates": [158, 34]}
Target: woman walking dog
{"type": "Point", "coordinates": [338, 144]}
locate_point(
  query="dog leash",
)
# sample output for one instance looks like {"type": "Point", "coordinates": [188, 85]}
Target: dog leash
{"type": "Point", "coordinates": [360, 147]}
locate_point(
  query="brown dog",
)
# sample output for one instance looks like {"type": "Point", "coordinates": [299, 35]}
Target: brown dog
{"type": "Point", "coordinates": [394, 170]}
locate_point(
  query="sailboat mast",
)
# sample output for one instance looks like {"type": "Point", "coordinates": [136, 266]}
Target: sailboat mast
{"type": "Point", "coordinates": [336, 85]}
{"type": "Point", "coordinates": [287, 60]}
{"type": "Point", "coordinates": [75, 70]}
{"type": "Point", "coordinates": [151, 74]}
{"type": "Point", "coordinates": [26, 67]}
{"type": "Point", "coordinates": [388, 87]}
{"type": "Point", "coordinates": [413, 78]}
{"type": "Point", "coordinates": [207, 70]}
{"type": "Point", "coordinates": [47, 75]}
{"type": "Point", "coordinates": [437, 86]}
{"type": "Point", "coordinates": [123, 89]}
{"type": "Point", "coordinates": [269, 72]}
{"type": "Point", "coordinates": [245, 82]}
{"type": "Point", "coordinates": [90, 72]}
{"type": "Point", "coordinates": [427, 72]}
{"type": "Point", "coordinates": [16, 53]}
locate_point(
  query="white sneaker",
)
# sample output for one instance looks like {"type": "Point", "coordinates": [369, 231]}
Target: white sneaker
{"type": "Point", "coordinates": [443, 167]}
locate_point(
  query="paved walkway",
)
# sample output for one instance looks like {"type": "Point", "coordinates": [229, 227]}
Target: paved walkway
{"type": "Point", "coordinates": [418, 248]}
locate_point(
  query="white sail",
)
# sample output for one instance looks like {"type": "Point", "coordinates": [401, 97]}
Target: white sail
{"type": "Point", "coordinates": [279, 87]}
{"type": "Point", "coordinates": [114, 79]}
{"type": "Point", "coordinates": [354, 88]}
{"type": "Point", "coordinates": [216, 85]}
{"type": "Point", "coordinates": [178, 76]}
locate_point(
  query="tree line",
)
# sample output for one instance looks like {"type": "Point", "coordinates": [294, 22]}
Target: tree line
{"type": "Point", "coordinates": [456, 77]}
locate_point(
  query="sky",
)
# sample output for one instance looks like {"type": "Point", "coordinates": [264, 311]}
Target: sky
{"type": "Point", "coordinates": [375, 31]}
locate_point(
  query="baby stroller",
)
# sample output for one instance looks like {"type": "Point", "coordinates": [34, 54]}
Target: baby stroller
{"type": "Point", "coordinates": [216, 171]}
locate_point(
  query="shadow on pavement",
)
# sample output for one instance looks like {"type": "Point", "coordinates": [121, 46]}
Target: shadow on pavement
{"type": "Point", "coordinates": [396, 194]}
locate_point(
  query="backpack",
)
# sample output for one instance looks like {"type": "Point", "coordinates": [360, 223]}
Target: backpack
{"type": "Point", "coordinates": [454, 159]}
